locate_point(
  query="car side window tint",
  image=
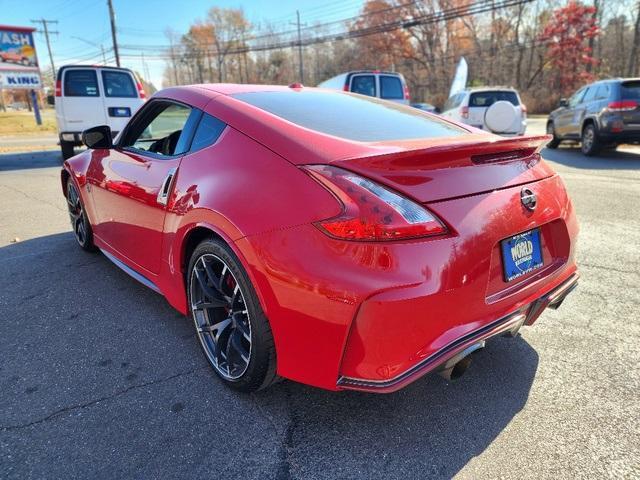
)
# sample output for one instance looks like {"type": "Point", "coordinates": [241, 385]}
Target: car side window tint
{"type": "Point", "coordinates": [590, 95]}
{"type": "Point", "coordinates": [81, 83]}
{"type": "Point", "coordinates": [364, 85]}
{"type": "Point", "coordinates": [603, 92]}
{"type": "Point", "coordinates": [159, 129]}
{"type": "Point", "coordinates": [391, 88]}
{"type": "Point", "coordinates": [577, 97]}
{"type": "Point", "coordinates": [208, 131]}
{"type": "Point", "coordinates": [118, 84]}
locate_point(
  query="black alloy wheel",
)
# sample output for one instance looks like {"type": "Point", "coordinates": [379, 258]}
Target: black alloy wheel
{"type": "Point", "coordinates": [79, 221]}
{"type": "Point", "coordinates": [232, 330]}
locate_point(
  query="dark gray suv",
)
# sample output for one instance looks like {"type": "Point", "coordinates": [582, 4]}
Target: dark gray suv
{"type": "Point", "coordinates": [603, 114]}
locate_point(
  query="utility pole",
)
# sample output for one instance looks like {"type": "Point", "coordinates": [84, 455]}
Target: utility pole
{"type": "Point", "coordinates": [112, 16]}
{"type": "Point", "coordinates": [45, 30]}
{"type": "Point", "coordinates": [300, 49]}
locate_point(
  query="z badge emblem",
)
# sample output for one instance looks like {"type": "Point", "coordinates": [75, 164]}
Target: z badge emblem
{"type": "Point", "coordinates": [528, 199]}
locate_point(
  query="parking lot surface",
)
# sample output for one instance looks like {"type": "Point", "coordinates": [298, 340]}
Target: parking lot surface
{"type": "Point", "coordinates": [100, 378]}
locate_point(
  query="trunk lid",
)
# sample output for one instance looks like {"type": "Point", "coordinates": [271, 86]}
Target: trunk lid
{"type": "Point", "coordinates": [457, 168]}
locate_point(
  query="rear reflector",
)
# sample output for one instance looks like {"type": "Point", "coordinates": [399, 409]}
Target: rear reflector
{"type": "Point", "coordinates": [370, 211]}
{"type": "Point", "coordinates": [622, 106]}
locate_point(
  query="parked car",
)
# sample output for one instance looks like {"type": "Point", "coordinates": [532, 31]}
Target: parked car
{"type": "Point", "coordinates": [373, 83]}
{"type": "Point", "coordinates": [427, 107]}
{"type": "Point", "coordinates": [325, 237]}
{"type": "Point", "coordinates": [602, 114]}
{"type": "Point", "coordinates": [87, 96]}
{"type": "Point", "coordinates": [14, 57]}
{"type": "Point", "coordinates": [495, 109]}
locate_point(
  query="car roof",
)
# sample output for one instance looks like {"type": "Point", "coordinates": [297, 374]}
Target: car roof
{"type": "Point", "coordinates": [108, 67]}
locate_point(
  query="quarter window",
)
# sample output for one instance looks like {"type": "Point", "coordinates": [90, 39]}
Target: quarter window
{"type": "Point", "coordinates": [207, 132]}
{"type": "Point", "coordinates": [80, 83]}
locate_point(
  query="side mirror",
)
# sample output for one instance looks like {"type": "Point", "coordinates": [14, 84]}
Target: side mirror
{"type": "Point", "coordinates": [563, 102]}
{"type": "Point", "coordinates": [437, 110]}
{"type": "Point", "coordinates": [98, 137]}
{"type": "Point", "coordinates": [51, 100]}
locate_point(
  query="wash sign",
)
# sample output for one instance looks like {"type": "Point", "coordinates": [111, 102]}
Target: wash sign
{"type": "Point", "coordinates": [17, 50]}
{"type": "Point", "coordinates": [20, 80]}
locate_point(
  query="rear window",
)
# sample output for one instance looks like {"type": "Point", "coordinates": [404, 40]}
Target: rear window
{"type": "Point", "coordinates": [391, 88]}
{"type": "Point", "coordinates": [486, 99]}
{"type": "Point", "coordinates": [81, 83]}
{"type": "Point", "coordinates": [118, 84]}
{"type": "Point", "coordinates": [351, 117]}
{"type": "Point", "coordinates": [630, 90]}
{"type": "Point", "coordinates": [364, 85]}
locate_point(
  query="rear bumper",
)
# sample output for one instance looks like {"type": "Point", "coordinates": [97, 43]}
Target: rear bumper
{"type": "Point", "coordinates": [508, 324]}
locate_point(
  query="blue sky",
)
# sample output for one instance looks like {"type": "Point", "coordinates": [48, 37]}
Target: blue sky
{"type": "Point", "coordinates": [144, 22]}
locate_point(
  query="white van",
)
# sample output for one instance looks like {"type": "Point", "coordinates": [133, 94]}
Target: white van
{"type": "Point", "coordinates": [496, 109]}
{"type": "Point", "coordinates": [87, 96]}
{"type": "Point", "coordinates": [374, 83]}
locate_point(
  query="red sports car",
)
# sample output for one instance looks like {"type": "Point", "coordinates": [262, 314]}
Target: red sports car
{"type": "Point", "coordinates": [325, 237]}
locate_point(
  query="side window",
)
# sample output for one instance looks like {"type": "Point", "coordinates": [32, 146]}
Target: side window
{"type": "Point", "coordinates": [207, 132]}
{"type": "Point", "coordinates": [391, 88]}
{"type": "Point", "coordinates": [603, 92]}
{"type": "Point", "coordinates": [159, 128]}
{"type": "Point", "coordinates": [81, 83]}
{"type": "Point", "coordinates": [118, 84]}
{"type": "Point", "coordinates": [591, 94]}
{"type": "Point", "coordinates": [577, 97]}
{"type": "Point", "coordinates": [364, 85]}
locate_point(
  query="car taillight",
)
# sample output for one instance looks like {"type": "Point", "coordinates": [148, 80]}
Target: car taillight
{"type": "Point", "coordinates": [622, 106]}
{"type": "Point", "coordinates": [141, 93]}
{"type": "Point", "coordinates": [464, 112]}
{"type": "Point", "coordinates": [372, 212]}
{"type": "Point", "coordinates": [406, 92]}
{"type": "Point", "coordinates": [345, 88]}
{"type": "Point", "coordinates": [58, 88]}
{"type": "Point", "coordinates": [523, 107]}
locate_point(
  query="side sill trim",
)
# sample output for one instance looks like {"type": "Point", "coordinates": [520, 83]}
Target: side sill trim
{"type": "Point", "coordinates": [131, 272]}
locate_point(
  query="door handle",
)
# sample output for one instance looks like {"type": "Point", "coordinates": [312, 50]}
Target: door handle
{"type": "Point", "coordinates": [165, 189]}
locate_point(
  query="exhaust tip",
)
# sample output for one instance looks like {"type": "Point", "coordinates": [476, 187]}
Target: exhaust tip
{"type": "Point", "coordinates": [460, 368]}
{"type": "Point", "coordinates": [457, 366]}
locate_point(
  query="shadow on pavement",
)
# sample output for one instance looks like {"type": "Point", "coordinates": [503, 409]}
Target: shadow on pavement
{"type": "Point", "coordinates": [571, 156]}
{"type": "Point", "coordinates": [29, 160]}
{"type": "Point", "coordinates": [101, 378]}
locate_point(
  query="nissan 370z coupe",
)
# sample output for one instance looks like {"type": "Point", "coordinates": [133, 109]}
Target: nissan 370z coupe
{"type": "Point", "coordinates": [325, 237]}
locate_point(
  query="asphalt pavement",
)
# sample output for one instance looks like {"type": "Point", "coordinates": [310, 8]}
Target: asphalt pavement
{"type": "Point", "coordinates": [100, 378]}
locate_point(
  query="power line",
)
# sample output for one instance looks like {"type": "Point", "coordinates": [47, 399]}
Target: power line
{"type": "Point", "coordinates": [45, 30]}
{"type": "Point", "coordinates": [482, 6]}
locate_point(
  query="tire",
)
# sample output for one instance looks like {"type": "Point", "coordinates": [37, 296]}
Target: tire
{"type": "Point", "coordinates": [231, 327]}
{"type": "Point", "coordinates": [555, 141]}
{"type": "Point", "coordinates": [591, 144]}
{"type": "Point", "coordinates": [67, 150]}
{"type": "Point", "coordinates": [79, 221]}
